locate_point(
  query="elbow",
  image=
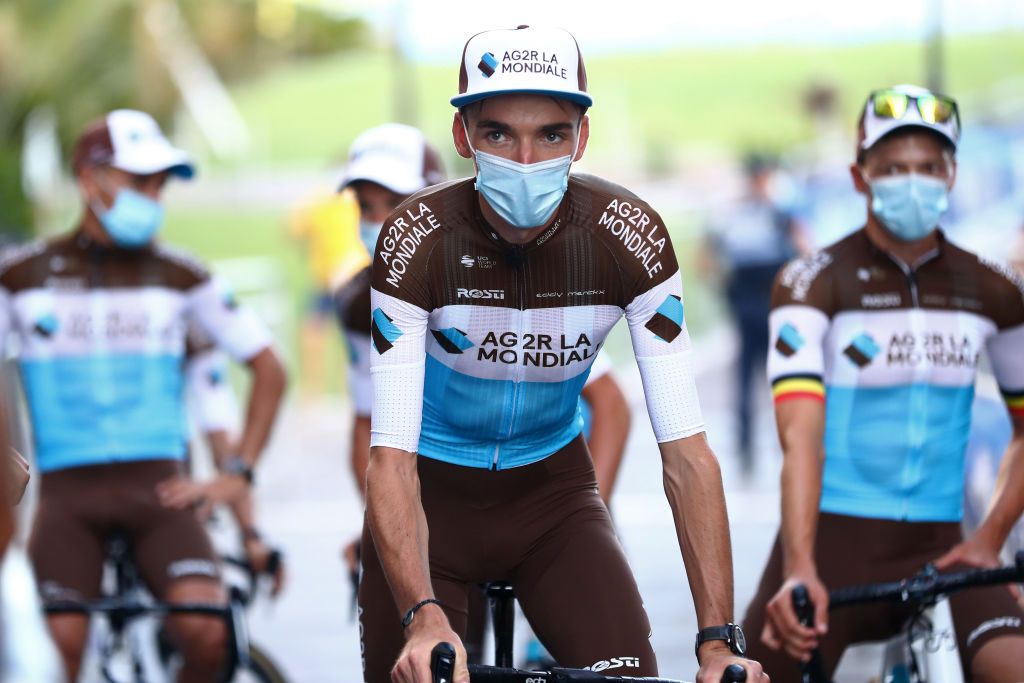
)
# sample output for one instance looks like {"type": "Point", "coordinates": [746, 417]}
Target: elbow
{"type": "Point", "coordinates": [269, 372]}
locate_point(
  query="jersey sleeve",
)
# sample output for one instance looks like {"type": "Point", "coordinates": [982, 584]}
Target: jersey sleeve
{"type": "Point", "coordinates": [214, 406]}
{"type": "Point", "coordinates": [800, 316]}
{"type": "Point", "coordinates": [1006, 346]}
{"type": "Point", "coordinates": [400, 305]}
{"type": "Point", "coordinates": [236, 329]}
{"type": "Point", "coordinates": [661, 342]}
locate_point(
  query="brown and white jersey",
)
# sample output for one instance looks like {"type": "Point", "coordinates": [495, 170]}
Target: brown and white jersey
{"type": "Point", "coordinates": [893, 351]}
{"type": "Point", "coordinates": [481, 347]}
{"type": "Point", "coordinates": [101, 340]}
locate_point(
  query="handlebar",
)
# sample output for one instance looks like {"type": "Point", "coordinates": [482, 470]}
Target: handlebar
{"type": "Point", "coordinates": [928, 586]}
{"type": "Point", "coordinates": [442, 670]}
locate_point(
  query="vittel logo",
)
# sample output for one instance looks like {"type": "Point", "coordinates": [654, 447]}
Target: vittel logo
{"type": "Point", "coordinates": [462, 293]}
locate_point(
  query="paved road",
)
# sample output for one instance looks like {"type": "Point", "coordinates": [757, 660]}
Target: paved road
{"type": "Point", "coordinates": [309, 505]}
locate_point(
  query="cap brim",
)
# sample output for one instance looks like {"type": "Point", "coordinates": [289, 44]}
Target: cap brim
{"type": "Point", "coordinates": [883, 131]}
{"type": "Point", "coordinates": [581, 99]}
{"type": "Point", "coordinates": [155, 160]}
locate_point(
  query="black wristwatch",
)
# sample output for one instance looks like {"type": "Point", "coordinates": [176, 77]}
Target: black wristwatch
{"type": "Point", "coordinates": [730, 633]}
{"type": "Point", "coordinates": [238, 467]}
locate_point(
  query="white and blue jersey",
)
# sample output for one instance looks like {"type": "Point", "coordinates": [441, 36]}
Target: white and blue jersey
{"type": "Point", "coordinates": [100, 335]}
{"type": "Point", "coordinates": [893, 351]}
{"type": "Point", "coordinates": [481, 348]}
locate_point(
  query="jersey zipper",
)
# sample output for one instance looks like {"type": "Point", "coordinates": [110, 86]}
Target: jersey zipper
{"type": "Point", "coordinates": [519, 274]}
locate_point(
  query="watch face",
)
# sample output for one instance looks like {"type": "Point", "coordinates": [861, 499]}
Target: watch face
{"type": "Point", "coordinates": [739, 640]}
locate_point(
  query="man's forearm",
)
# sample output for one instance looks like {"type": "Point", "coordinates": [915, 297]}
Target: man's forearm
{"type": "Point", "coordinates": [800, 434]}
{"type": "Point", "coordinates": [399, 526]}
{"type": "Point", "coordinates": [268, 386]}
{"type": "Point", "coordinates": [693, 484]}
{"type": "Point", "coordinates": [1008, 500]}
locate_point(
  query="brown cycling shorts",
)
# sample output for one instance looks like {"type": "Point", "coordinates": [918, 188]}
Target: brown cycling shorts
{"type": "Point", "coordinates": [852, 550]}
{"type": "Point", "coordinates": [80, 507]}
{"type": "Point", "coordinates": [544, 528]}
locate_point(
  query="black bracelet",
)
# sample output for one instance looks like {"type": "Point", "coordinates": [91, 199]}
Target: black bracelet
{"type": "Point", "coordinates": [407, 619]}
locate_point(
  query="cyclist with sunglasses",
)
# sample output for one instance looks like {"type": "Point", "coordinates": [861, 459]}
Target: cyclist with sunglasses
{"type": "Point", "coordinates": [876, 342]}
{"type": "Point", "coordinates": [491, 297]}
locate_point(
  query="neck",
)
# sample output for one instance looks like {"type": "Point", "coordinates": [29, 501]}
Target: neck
{"type": "Point", "coordinates": [93, 229]}
{"type": "Point", "coordinates": [908, 252]}
{"type": "Point", "coordinates": [507, 231]}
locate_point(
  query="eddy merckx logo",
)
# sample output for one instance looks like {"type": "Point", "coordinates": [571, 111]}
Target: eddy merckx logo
{"type": "Point", "coordinates": [463, 293]}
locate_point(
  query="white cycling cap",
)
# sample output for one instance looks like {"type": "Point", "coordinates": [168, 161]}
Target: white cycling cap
{"type": "Point", "coordinates": [874, 127]}
{"type": "Point", "coordinates": [395, 156]}
{"type": "Point", "coordinates": [130, 141]}
{"type": "Point", "coordinates": [543, 61]}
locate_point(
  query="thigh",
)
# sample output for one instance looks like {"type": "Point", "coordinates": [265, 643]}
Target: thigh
{"type": "Point", "coordinates": [580, 597]}
{"type": "Point", "coordinates": [67, 551]}
{"type": "Point", "coordinates": [186, 628]}
{"type": "Point", "coordinates": [986, 615]}
{"type": "Point", "coordinates": [169, 546]}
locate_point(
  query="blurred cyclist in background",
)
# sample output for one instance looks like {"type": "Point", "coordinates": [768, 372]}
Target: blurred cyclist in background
{"type": "Point", "coordinates": [746, 246]}
{"type": "Point", "coordinates": [100, 315]}
{"type": "Point", "coordinates": [876, 342]}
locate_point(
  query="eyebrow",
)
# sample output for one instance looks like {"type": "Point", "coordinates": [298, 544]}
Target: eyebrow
{"type": "Point", "coordinates": [500, 127]}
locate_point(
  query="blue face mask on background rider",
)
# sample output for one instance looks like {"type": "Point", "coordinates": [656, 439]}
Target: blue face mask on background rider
{"type": "Point", "coordinates": [524, 195]}
{"type": "Point", "coordinates": [132, 220]}
{"type": "Point", "coordinates": [909, 205]}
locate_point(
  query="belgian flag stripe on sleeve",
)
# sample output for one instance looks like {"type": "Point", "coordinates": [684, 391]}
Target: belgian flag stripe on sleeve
{"type": "Point", "coordinates": [798, 386]}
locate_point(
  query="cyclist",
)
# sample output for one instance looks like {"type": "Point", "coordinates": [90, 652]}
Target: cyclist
{"type": "Point", "coordinates": [386, 164]}
{"type": "Point", "coordinates": [490, 298]}
{"type": "Point", "coordinates": [100, 315]}
{"type": "Point", "coordinates": [875, 346]}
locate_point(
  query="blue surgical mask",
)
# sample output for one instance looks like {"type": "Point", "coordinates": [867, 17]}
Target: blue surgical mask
{"type": "Point", "coordinates": [369, 231]}
{"type": "Point", "coordinates": [909, 205]}
{"type": "Point", "coordinates": [133, 219]}
{"type": "Point", "coordinates": [525, 195]}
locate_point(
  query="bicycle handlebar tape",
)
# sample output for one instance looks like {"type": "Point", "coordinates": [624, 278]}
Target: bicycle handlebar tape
{"type": "Point", "coordinates": [734, 673]}
{"type": "Point", "coordinates": [442, 663]}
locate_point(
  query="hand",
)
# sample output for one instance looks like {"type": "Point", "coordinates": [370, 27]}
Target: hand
{"type": "Point", "coordinates": [715, 656]}
{"type": "Point", "coordinates": [428, 628]}
{"type": "Point", "coordinates": [782, 628]}
{"type": "Point", "coordinates": [258, 553]}
{"type": "Point", "coordinates": [17, 478]}
{"type": "Point", "coordinates": [974, 552]}
{"type": "Point", "coordinates": [181, 492]}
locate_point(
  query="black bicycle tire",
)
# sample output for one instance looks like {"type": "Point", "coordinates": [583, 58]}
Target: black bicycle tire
{"type": "Point", "coordinates": [263, 666]}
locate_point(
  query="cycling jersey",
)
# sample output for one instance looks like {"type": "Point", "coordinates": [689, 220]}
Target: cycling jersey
{"type": "Point", "coordinates": [101, 338]}
{"type": "Point", "coordinates": [212, 400]}
{"type": "Point", "coordinates": [893, 350]}
{"type": "Point", "coordinates": [352, 301]}
{"type": "Point", "coordinates": [481, 347]}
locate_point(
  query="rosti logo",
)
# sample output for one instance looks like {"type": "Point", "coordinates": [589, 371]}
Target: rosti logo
{"type": "Point", "coordinates": [462, 293]}
{"type": "Point", "coordinates": [488, 64]}
{"type": "Point", "coordinates": [614, 663]}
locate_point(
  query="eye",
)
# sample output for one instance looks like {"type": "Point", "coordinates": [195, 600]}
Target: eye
{"type": "Point", "coordinates": [495, 136]}
{"type": "Point", "coordinates": [554, 138]}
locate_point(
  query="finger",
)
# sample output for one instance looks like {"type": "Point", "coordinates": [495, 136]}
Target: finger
{"type": "Point", "coordinates": [785, 620]}
{"type": "Point", "coordinates": [769, 638]}
{"type": "Point", "coordinates": [821, 615]}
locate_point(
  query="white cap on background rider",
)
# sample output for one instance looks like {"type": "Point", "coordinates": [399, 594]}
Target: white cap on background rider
{"type": "Point", "coordinates": [398, 158]}
{"type": "Point", "coordinates": [130, 141]}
